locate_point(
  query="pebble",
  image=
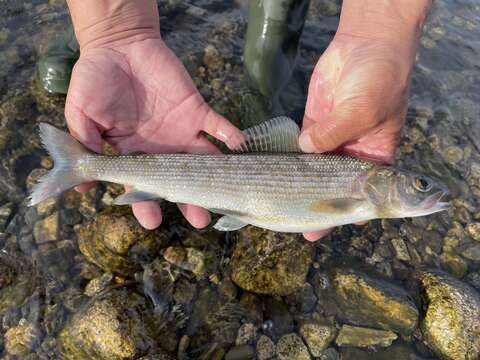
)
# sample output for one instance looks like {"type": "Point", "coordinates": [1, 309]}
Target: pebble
{"type": "Point", "coordinates": [401, 249]}
{"type": "Point", "coordinates": [247, 333]}
{"type": "Point", "coordinates": [96, 285]}
{"type": "Point", "coordinates": [474, 231]}
{"type": "Point", "coordinates": [265, 348]}
{"type": "Point", "coordinates": [364, 337]}
{"type": "Point", "coordinates": [240, 352]}
{"type": "Point", "coordinates": [21, 339]}
{"type": "Point", "coordinates": [5, 213]}
{"type": "Point", "coordinates": [291, 347]}
{"type": "Point", "coordinates": [47, 206]}
{"type": "Point", "coordinates": [317, 337]}
{"type": "Point", "coordinates": [46, 229]}
{"type": "Point", "coordinates": [472, 252]}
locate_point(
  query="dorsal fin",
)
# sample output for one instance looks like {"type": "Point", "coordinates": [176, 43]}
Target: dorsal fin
{"type": "Point", "coordinates": [279, 134]}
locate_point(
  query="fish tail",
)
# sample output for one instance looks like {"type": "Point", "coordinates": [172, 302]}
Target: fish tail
{"type": "Point", "coordinates": [66, 153]}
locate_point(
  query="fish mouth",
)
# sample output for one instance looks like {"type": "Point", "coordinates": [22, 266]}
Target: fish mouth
{"type": "Point", "coordinates": [434, 202]}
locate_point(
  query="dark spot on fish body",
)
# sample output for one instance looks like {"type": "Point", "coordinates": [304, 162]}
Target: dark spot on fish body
{"type": "Point", "coordinates": [335, 206]}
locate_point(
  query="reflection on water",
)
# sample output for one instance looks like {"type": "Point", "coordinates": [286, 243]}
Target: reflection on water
{"type": "Point", "coordinates": [81, 278]}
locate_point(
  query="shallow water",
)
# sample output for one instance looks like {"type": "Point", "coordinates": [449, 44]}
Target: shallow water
{"type": "Point", "coordinates": [174, 287]}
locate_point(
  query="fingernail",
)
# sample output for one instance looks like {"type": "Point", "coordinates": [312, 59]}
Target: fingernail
{"type": "Point", "coordinates": [306, 143]}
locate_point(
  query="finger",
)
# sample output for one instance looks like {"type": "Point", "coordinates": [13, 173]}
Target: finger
{"type": "Point", "coordinates": [202, 146]}
{"type": "Point", "coordinates": [83, 128]}
{"type": "Point", "coordinates": [197, 216]}
{"type": "Point", "coordinates": [148, 214]}
{"type": "Point", "coordinates": [316, 235]}
{"type": "Point", "coordinates": [222, 129]}
{"type": "Point", "coordinates": [84, 188]}
{"type": "Point", "coordinates": [343, 124]}
{"type": "Point", "coordinates": [361, 223]}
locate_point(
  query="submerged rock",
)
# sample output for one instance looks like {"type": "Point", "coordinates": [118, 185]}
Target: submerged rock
{"type": "Point", "coordinates": [240, 352]}
{"type": "Point", "coordinates": [291, 347]}
{"type": "Point", "coordinates": [23, 338]}
{"type": "Point", "coordinates": [451, 326]}
{"type": "Point", "coordinates": [317, 336]}
{"type": "Point", "coordinates": [115, 242]}
{"type": "Point", "coordinates": [46, 229]}
{"type": "Point", "coordinates": [271, 263]}
{"type": "Point", "coordinates": [394, 352]}
{"type": "Point", "coordinates": [265, 348]}
{"type": "Point", "coordinates": [364, 337]}
{"type": "Point", "coordinates": [367, 301]}
{"type": "Point", "coordinates": [114, 326]}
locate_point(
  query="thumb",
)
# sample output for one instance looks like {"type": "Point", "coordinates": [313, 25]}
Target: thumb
{"type": "Point", "coordinates": [83, 128]}
{"type": "Point", "coordinates": [343, 124]}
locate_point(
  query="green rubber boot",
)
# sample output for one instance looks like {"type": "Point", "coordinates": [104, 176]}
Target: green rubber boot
{"type": "Point", "coordinates": [271, 49]}
{"type": "Point", "coordinates": [54, 68]}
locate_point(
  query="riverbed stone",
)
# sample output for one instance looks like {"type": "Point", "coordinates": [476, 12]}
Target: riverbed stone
{"type": "Point", "coordinates": [317, 336]}
{"type": "Point", "coordinates": [368, 301]}
{"type": "Point", "coordinates": [266, 262]}
{"type": "Point", "coordinates": [46, 229]}
{"type": "Point", "coordinates": [291, 347]}
{"type": "Point", "coordinates": [364, 337]}
{"type": "Point", "coordinates": [21, 339]}
{"type": "Point", "coordinates": [265, 348]}
{"type": "Point", "coordinates": [474, 231]}
{"type": "Point", "coordinates": [240, 352]}
{"type": "Point", "coordinates": [451, 326]}
{"type": "Point", "coordinates": [114, 241]}
{"type": "Point", "coordinates": [472, 252]}
{"type": "Point", "coordinates": [110, 327]}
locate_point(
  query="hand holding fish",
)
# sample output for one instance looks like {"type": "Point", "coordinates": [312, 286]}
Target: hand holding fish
{"type": "Point", "coordinates": [134, 93]}
{"type": "Point", "coordinates": [358, 92]}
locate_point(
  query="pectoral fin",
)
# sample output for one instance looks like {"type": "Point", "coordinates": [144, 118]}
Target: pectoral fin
{"type": "Point", "coordinates": [229, 223]}
{"type": "Point", "coordinates": [133, 197]}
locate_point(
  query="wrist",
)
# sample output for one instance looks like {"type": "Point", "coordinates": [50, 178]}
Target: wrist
{"type": "Point", "coordinates": [100, 23]}
{"type": "Point", "coordinates": [398, 22]}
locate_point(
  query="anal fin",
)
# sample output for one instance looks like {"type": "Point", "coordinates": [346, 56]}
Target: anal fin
{"type": "Point", "coordinates": [229, 223]}
{"type": "Point", "coordinates": [133, 197]}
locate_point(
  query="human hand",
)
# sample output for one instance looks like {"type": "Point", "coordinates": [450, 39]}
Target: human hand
{"type": "Point", "coordinates": [137, 96]}
{"type": "Point", "coordinates": [357, 99]}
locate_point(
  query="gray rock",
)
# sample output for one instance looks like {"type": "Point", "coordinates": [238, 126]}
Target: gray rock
{"type": "Point", "coordinates": [364, 337]}
{"type": "Point", "coordinates": [472, 252]}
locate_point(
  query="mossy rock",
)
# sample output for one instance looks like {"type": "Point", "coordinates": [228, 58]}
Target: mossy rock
{"type": "Point", "coordinates": [451, 326]}
{"type": "Point", "coordinates": [367, 301]}
{"type": "Point", "coordinates": [116, 242]}
{"type": "Point", "coordinates": [266, 262]}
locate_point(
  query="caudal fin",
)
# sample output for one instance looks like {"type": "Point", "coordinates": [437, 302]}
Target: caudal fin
{"type": "Point", "coordinates": [66, 152]}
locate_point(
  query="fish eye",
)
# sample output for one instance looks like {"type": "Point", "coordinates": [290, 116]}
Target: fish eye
{"type": "Point", "coordinates": [422, 184]}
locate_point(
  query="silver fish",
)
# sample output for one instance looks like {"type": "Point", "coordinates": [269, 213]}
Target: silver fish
{"type": "Point", "coordinates": [270, 184]}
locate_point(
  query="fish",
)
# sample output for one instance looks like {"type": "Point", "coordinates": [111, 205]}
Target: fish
{"type": "Point", "coordinates": [266, 182]}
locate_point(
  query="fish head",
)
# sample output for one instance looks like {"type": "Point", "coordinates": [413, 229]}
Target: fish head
{"type": "Point", "coordinates": [399, 193]}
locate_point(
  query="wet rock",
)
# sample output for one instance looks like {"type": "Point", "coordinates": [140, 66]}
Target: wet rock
{"type": "Point", "coordinates": [99, 284]}
{"type": "Point", "coordinates": [7, 273]}
{"type": "Point", "coordinates": [5, 136]}
{"type": "Point", "coordinates": [401, 249]}
{"type": "Point", "coordinates": [246, 334]}
{"type": "Point", "coordinates": [19, 284]}
{"type": "Point", "coordinates": [474, 231]}
{"type": "Point", "coordinates": [46, 229]}
{"type": "Point", "coordinates": [212, 58]}
{"type": "Point", "coordinates": [364, 337]}
{"type": "Point", "coordinates": [291, 347]}
{"type": "Point", "coordinates": [451, 325]}
{"type": "Point", "coordinates": [5, 213]}
{"type": "Point", "coordinates": [114, 241]}
{"type": "Point", "coordinates": [196, 261]}
{"type": "Point", "coordinates": [22, 339]}
{"type": "Point", "coordinates": [303, 299]}
{"type": "Point", "coordinates": [252, 307]}
{"type": "Point", "coordinates": [279, 321]}
{"type": "Point", "coordinates": [473, 279]}
{"type": "Point", "coordinates": [265, 348]}
{"type": "Point", "coordinates": [265, 262]}
{"type": "Point", "coordinates": [317, 336]}
{"type": "Point", "coordinates": [367, 301]}
{"type": "Point", "coordinates": [454, 264]}
{"type": "Point", "coordinates": [472, 252]}
{"type": "Point", "coordinates": [47, 206]}
{"type": "Point", "coordinates": [240, 352]}
{"type": "Point", "coordinates": [330, 354]}
{"type": "Point", "coordinates": [110, 327]}
{"type": "Point", "coordinates": [214, 319]}
{"type": "Point", "coordinates": [394, 352]}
